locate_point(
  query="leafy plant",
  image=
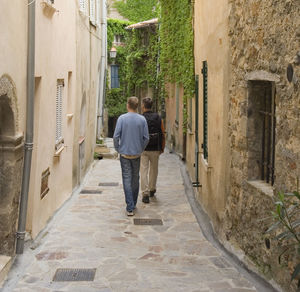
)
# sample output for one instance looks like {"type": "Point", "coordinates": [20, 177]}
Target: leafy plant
{"type": "Point", "coordinates": [137, 10]}
{"type": "Point", "coordinates": [287, 224]}
{"type": "Point", "coordinates": [115, 102]}
{"type": "Point", "coordinates": [176, 53]}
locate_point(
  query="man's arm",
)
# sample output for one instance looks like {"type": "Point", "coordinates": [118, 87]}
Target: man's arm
{"type": "Point", "coordinates": [163, 142]}
{"type": "Point", "coordinates": [146, 134]}
{"type": "Point", "coordinates": [117, 135]}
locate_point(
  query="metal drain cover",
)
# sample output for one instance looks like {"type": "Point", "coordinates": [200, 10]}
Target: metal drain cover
{"type": "Point", "coordinates": [90, 191]}
{"type": "Point", "coordinates": [72, 275]}
{"type": "Point", "coordinates": [108, 184]}
{"type": "Point", "coordinates": [140, 221]}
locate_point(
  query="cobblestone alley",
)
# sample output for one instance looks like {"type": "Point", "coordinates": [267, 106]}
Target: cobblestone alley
{"type": "Point", "coordinates": [92, 231]}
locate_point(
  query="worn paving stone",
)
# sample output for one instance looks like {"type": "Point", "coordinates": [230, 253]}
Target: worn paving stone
{"type": "Point", "coordinates": [93, 231]}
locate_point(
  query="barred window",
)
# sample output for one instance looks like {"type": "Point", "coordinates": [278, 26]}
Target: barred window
{"type": "Point", "coordinates": [261, 131]}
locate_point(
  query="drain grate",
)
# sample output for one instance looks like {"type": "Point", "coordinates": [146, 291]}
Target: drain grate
{"type": "Point", "coordinates": [90, 191]}
{"type": "Point", "coordinates": [139, 221]}
{"type": "Point", "coordinates": [108, 184]}
{"type": "Point", "coordinates": [72, 275]}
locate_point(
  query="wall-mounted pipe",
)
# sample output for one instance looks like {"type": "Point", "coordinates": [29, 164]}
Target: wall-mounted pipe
{"type": "Point", "coordinates": [29, 128]}
{"type": "Point", "coordinates": [102, 75]}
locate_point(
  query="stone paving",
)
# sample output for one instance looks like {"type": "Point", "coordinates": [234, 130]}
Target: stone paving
{"type": "Point", "coordinates": [93, 231]}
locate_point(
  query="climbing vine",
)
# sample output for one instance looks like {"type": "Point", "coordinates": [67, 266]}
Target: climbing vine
{"type": "Point", "coordinates": [142, 52]}
{"type": "Point", "coordinates": [176, 42]}
{"type": "Point", "coordinates": [115, 100]}
{"type": "Point", "coordinates": [155, 55]}
{"type": "Point", "coordinates": [137, 61]}
{"type": "Point", "coordinates": [137, 10]}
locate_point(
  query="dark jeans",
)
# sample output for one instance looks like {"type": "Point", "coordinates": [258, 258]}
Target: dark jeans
{"type": "Point", "coordinates": [130, 176]}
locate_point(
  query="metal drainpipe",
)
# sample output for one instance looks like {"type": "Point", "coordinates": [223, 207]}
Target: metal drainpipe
{"type": "Point", "coordinates": [102, 74]}
{"type": "Point", "coordinates": [29, 128]}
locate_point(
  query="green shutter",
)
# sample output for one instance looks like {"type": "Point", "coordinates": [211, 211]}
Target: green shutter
{"type": "Point", "coordinates": [205, 113]}
{"type": "Point", "coordinates": [177, 104]}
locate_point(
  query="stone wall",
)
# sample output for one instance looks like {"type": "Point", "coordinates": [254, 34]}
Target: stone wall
{"type": "Point", "coordinates": [264, 37]}
{"type": "Point", "coordinates": [11, 154]}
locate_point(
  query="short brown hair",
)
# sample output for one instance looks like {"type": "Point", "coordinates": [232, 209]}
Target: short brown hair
{"type": "Point", "coordinates": [147, 102]}
{"type": "Point", "coordinates": [133, 102]}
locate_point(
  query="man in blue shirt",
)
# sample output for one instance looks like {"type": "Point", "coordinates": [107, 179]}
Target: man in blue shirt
{"type": "Point", "coordinates": [131, 137]}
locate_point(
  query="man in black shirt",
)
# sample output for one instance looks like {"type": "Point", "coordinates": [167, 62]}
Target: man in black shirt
{"type": "Point", "coordinates": [150, 156]}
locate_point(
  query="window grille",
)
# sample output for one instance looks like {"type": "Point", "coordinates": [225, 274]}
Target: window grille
{"type": "Point", "coordinates": [115, 83]}
{"type": "Point", "coordinates": [177, 104]}
{"type": "Point", "coordinates": [205, 113]}
{"type": "Point", "coordinates": [261, 131]}
{"type": "Point", "coordinates": [92, 12]}
{"type": "Point", "coordinates": [59, 95]}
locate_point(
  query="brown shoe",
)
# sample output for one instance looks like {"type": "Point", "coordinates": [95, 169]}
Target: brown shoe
{"type": "Point", "coordinates": [152, 193]}
{"type": "Point", "coordinates": [146, 199]}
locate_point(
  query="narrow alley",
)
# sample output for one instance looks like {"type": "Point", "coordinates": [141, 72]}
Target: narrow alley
{"type": "Point", "coordinates": [92, 231]}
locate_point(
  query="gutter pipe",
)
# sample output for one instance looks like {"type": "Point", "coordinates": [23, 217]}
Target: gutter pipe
{"type": "Point", "coordinates": [29, 128]}
{"type": "Point", "coordinates": [102, 75]}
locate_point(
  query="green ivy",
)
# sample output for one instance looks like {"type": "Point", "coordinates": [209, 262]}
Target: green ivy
{"type": "Point", "coordinates": [115, 102]}
{"type": "Point", "coordinates": [176, 42]}
{"type": "Point", "coordinates": [137, 10]}
{"type": "Point", "coordinates": [142, 52]}
{"type": "Point", "coordinates": [172, 43]}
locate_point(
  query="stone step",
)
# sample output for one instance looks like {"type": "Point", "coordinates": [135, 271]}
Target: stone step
{"type": "Point", "coordinates": [5, 264]}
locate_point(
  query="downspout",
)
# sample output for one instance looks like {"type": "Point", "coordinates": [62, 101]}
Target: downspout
{"type": "Point", "coordinates": [29, 128]}
{"type": "Point", "coordinates": [102, 74]}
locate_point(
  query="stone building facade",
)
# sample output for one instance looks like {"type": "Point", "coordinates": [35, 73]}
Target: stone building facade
{"type": "Point", "coordinates": [13, 43]}
{"type": "Point", "coordinates": [264, 124]}
{"type": "Point", "coordinates": [248, 122]}
{"type": "Point", "coordinates": [67, 63]}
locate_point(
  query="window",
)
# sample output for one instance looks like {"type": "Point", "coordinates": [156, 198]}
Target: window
{"type": "Point", "coordinates": [261, 131]}
{"type": "Point", "coordinates": [205, 112]}
{"type": "Point", "coordinates": [114, 76]}
{"type": "Point", "coordinates": [93, 12]}
{"type": "Point", "coordinates": [82, 5]}
{"type": "Point", "coordinates": [177, 104]}
{"type": "Point", "coordinates": [59, 96]}
{"type": "Point", "coordinates": [118, 40]}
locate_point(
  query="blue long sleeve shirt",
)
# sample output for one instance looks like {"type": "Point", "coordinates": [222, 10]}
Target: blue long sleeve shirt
{"type": "Point", "coordinates": [131, 135]}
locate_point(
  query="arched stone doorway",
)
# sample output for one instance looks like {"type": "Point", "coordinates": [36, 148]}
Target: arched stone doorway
{"type": "Point", "coordinates": [11, 156]}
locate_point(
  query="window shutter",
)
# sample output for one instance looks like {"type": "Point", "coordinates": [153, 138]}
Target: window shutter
{"type": "Point", "coordinates": [115, 76]}
{"type": "Point", "coordinates": [92, 11]}
{"type": "Point", "coordinates": [177, 103]}
{"type": "Point", "coordinates": [59, 92]}
{"type": "Point", "coordinates": [205, 113]}
{"type": "Point", "coordinates": [98, 9]}
{"type": "Point", "coordinates": [82, 5]}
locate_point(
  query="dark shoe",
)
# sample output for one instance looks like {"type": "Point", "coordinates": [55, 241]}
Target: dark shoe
{"type": "Point", "coordinates": [146, 199]}
{"type": "Point", "coordinates": [152, 193]}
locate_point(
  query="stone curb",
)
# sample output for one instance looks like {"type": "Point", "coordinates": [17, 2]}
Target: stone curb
{"type": "Point", "coordinates": [207, 228]}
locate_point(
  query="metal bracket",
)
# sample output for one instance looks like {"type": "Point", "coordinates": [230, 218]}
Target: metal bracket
{"type": "Point", "coordinates": [20, 235]}
{"type": "Point", "coordinates": [196, 184]}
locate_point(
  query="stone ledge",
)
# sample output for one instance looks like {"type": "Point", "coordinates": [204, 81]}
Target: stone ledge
{"type": "Point", "coordinates": [262, 187]}
{"type": "Point", "coordinates": [5, 264]}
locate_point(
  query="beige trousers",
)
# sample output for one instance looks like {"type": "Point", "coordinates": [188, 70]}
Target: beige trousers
{"type": "Point", "coordinates": [149, 171]}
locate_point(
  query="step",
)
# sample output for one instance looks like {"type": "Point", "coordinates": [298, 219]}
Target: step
{"type": "Point", "coordinates": [5, 264]}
